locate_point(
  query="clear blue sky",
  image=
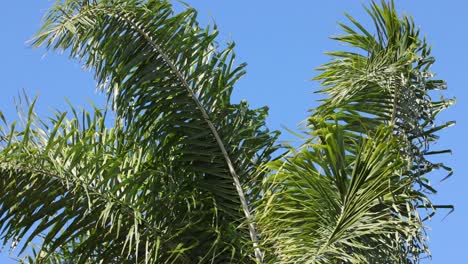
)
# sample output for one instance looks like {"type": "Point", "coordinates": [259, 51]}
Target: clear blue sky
{"type": "Point", "coordinates": [282, 43]}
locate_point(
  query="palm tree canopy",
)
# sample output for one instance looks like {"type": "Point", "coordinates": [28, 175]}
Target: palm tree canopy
{"type": "Point", "coordinates": [171, 171]}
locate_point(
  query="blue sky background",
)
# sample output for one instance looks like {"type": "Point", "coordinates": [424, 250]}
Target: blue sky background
{"type": "Point", "coordinates": [282, 41]}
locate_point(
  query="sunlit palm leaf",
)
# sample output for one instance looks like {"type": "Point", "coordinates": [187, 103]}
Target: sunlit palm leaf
{"type": "Point", "coordinates": [352, 194]}
{"type": "Point", "coordinates": [171, 89]}
{"type": "Point", "coordinates": [93, 193]}
{"type": "Point", "coordinates": [386, 80]}
{"type": "Point", "coordinates": [325, 206]}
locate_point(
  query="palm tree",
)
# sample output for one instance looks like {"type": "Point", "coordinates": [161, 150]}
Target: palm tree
{"type": "Point", "coordinates": [171, 171]}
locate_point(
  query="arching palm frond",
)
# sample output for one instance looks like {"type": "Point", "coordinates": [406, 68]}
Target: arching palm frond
{"type": "Point", "coordinates": [92, 193]}
{"type": "Point", "coordinates": [353, 192]}
{"type": "Point", "coordinates": [387, 81]}
{"type": "Point", "coordinates": [74, 181]}
{"type": "Point", "coordinates": [170, 88]}
{"type": "Point", "coordinates": [324, 205]}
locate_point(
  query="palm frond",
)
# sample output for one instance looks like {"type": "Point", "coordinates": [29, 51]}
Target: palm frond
{"type": "Point", "coordinates": [67, 180]}
{"type": "Point", "coordinates": [353, 192]}
{"type": "Point", "coordinates": [387, 81]}
{"type": "Point", "coordinates": [324, 205]}
{"type": "Point", "coordinates": [165, 76]}
{"type": "Point", "coordinates": [95, 193]}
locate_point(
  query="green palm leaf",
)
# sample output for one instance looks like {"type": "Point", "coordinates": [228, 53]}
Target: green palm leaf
{"type": "Point", "coordinates": [353, 192]}
{"type": "Point", "coordinates": [387, 81]}
{"type": "Point", "coordinates": [93, 193]}
{"type": "Point", "coordinates": [324, 205]}
{"type": "Point", "coordinates": [170, 88]}
{"type": "Point", "coordinates": [179, 174]}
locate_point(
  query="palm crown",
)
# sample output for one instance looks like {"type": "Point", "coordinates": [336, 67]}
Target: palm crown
{"type": "Point", "coordinates": [180, 174]}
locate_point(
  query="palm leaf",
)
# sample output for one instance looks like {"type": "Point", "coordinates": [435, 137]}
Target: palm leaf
{"type": "Point", "coordinates": [386, 80]}
{"type": "Point", "coordinates": [93, 193]}
{"type": "Point", "coordinates": [170, 88]}
{"type": "Point", "coordinates": [353, 192]}
{"type": "Point", "coordinates": [324, 205]}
